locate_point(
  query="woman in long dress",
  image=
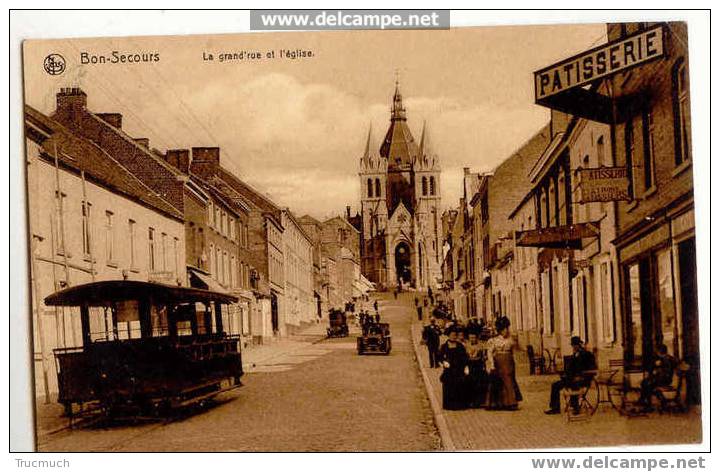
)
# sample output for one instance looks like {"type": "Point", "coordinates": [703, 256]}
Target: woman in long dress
{"type": "Point", "coordinates": [504, 392]}
{"type": "Point", "coordinates": [454, 359]}
{"type": "Point", "coordinates": [477, 378]}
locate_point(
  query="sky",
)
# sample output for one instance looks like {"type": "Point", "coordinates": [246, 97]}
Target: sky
{"type": "Point", "coordinates": [295, 129]}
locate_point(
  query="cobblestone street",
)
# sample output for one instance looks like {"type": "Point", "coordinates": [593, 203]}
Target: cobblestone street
{"type": "Point", "coordinates": [299, 396]}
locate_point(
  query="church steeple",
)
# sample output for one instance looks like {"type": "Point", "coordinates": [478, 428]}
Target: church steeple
{"type": "Point", "coordinates": [398, 110]}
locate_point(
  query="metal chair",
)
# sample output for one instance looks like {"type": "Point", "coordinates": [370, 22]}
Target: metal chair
{"type": "Point", "coordinates": [586, 391]}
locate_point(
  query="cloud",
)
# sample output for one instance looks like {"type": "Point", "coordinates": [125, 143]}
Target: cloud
{"type": "Point", "coordinates": [301, 142]}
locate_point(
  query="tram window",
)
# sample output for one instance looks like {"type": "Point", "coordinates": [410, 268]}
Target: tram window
{"type": "Point", "coordinates": [184, 328]}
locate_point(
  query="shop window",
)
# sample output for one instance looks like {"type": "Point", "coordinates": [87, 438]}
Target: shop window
{"type": "Point", "coordinates": [635, 307]}
{"type": "Point", "coordinates": [668, 325]}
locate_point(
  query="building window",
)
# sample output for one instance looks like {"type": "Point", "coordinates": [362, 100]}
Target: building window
{"type": "Point", "coordinates": [648, 150]}
{"type": "Point", "coordinates": [630, 153]}
{"type": "Point", "coordinates": [163, 248]}
{"type": "Point", "coordinates": [210, 215]}
{"type": "Point", "coordinates": [86, 230]}
{"type": "Point", "coordinates": [682, 114]}
{"type": "Point", "coordinates": [176, 243]}
{"type": "Point", "coordinates": [151, 247]}
{"type": "Point", "coordinates": [432, 185]}
{"type": "Point", "coordinates": [231, 228]}
{"type": "Point", "coordinates": [109, 237]}
{"type": "Point", "coordinates": [369, 188]}
{"type": "Point", "coordinates": [60, 222]}
{"type": "Point", "coordinates": [601, 150]}
{"type": "Point", "coordinates": [606, 302]}
{"type": "Point", "coordinates": [212, 260]}
{"type": "Point", "coordinates": [424, 185]}
{"type": "Point", "coordinates": [131, 236]}
{"type": "Point", "coordinates": [217, 218]}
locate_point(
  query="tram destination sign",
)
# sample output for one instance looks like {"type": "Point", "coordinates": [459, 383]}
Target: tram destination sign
{"type": "Point", "coordinates": [603, 184]}
{"type": "Point", "coordinates": [599, 62]}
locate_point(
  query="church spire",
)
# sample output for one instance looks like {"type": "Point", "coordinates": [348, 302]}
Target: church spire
{"type": "Point", "coordinates": [398, 110]}
{"type": "Point", "coordinates": [422, 139]}
{"type": "Point", "coordinates": [366, 154]}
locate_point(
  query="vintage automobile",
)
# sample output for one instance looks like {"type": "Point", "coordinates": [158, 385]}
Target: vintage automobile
{"type": "Point", "coordinates": [375, 338]}
{"type": "Point", "coordinates": [338, 324]}
{"type": "Point", "coordinates": [146, 348]}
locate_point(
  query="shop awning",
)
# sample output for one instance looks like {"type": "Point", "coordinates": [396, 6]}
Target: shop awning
{"type": "Point", "coordinates": [205, 281]}
{"type": "Point", "coordinates": [561, 237]}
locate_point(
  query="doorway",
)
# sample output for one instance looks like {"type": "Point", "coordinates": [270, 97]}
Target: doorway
{"type": "Point", "coordinates": [402, 263]}
{"type": "Point", "coordinates": [688, 299]}
{"type": "Point", "coordinates": [274, 317]}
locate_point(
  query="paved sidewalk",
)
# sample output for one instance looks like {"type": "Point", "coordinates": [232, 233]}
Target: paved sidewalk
{"type": "Point", "coordinates": [530, 428]}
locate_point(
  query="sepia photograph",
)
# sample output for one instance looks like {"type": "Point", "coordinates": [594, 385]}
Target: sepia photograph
{"type": "Point", "coordinates": [421, 238]}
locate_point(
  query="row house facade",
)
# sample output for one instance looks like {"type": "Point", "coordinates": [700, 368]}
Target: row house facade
{"type": "Point", "coordinates": [90, 220]}
{"type": "Point", "coordinates": [213, 259]}
{"type": "Point", "coordinates": [263, 245]}
{"type": "Point", "coordinates": [298, 253]}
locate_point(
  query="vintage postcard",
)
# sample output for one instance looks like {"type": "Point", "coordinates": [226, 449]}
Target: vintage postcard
{"type": "Point", "coordinates": [476, 238]}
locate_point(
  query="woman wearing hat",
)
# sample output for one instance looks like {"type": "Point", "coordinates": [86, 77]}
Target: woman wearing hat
{"type": "Point", "coordinates": [454, 360]}
{"type": "Point", "coordinates": [504, 391]}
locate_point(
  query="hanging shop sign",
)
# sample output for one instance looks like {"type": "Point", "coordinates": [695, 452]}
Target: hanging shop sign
{"type": "Point", "coordinates": [603, 184]}
{"type": "Point", "coordinates": [599, 62]}
{"type": "Point", "coordinates": [567, 236]}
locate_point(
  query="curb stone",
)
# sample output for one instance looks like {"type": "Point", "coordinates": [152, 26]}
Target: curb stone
{"type": "Point", "coordinates": [438, 414]}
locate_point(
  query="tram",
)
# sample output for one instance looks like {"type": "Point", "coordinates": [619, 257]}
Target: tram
{"type": "Point", "coordinates": [146, 348]}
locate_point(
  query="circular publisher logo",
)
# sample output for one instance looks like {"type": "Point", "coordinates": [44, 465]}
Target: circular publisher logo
{"type": "Point", "coordinates": [54, 64]}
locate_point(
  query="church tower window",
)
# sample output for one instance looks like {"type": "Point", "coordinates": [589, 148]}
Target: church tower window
{"type": "Point", "coordinates": [424, 186]}
{"type": "Point", "coordinates": [369, 188]}
{"type": "Point", "coordinates": [377, 188]}
{"type": "Point", "coordinates": [432, 185]}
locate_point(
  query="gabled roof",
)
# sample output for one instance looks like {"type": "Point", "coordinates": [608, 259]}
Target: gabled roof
{"type": "Point", "coordinates": [79, 154]}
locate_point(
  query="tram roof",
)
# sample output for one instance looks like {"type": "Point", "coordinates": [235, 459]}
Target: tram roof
{"type": "Point", "coordinates": [110, 291]}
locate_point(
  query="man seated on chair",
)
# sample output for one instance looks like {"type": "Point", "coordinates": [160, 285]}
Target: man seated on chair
{"type": "Point", "coordinates": [580, 361]}
{"type": "Point", "coordinates": [660, 375]}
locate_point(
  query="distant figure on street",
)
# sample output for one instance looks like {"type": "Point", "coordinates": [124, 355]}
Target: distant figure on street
{"type": "Point", "coordinates": [395, 292]}
{"type": "Point", "coordinates": [454, 360]}
{"type": "Point", "coordinates": [375, 305]}
{"type": "Point", "coordinates": [431, 339]}
{"type": "Point", "coordinates": [504, 390]}
{"type": "Point", "coordinates": [419, 309]}
{"type": "Point", "coordinates": [417, 301]}
{"type": "Point", "coordinates": [430, 295]}
{"type": "Point", "coordinates": [572, 376]}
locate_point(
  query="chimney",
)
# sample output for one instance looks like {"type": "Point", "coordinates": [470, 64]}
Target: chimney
{"type": "Point", "coordinates": [205, 161]}
{"type": "Point", "coordinates": [347, 212]}
{"type": "Point", "coordinates": [179, 158]}
{"type": "Point", "coordinates": [113, 119]}
{"type": "Point", "coordinates": [71, 102]}
{"type": "Point", "coordinates": [144, 142]}
{"type": "Point", "coordinates": [466, 170]}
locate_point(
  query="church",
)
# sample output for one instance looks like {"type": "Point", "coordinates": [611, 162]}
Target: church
{"type": "Point", "coordinates": [401, 219]}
